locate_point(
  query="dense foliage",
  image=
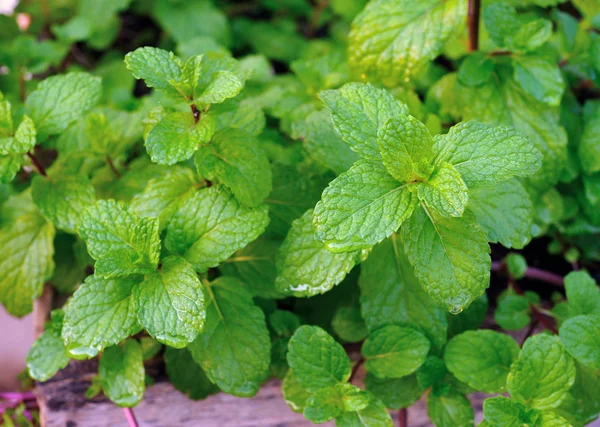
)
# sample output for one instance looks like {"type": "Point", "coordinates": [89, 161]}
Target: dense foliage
{"type": "Point", "coordinates": [247, 190]}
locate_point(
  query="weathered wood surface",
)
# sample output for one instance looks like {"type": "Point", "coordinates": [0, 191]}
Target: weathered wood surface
{"type": "Point", "coordinates": [63, 404]}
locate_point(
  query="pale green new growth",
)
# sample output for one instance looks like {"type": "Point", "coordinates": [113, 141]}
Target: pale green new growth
{"type": "Point", "coordinates": [445, 192]}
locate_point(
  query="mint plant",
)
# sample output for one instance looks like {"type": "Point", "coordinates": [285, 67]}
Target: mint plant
{"type": "Point", "coordinates": [376, 202]}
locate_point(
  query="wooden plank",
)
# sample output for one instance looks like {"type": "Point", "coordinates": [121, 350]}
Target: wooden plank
{"type": "Point", "coordinates": [62, 403]}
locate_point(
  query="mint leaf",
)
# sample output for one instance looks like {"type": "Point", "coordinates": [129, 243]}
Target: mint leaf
{"type": "Point", "coordinates": [451, 409]}
{"type": "Point", "coordinates": [543, 373]}
{"type": "Point", "coordinates": [358, 111]}
{"type": "Point", "coordinates": [476, 69]}
{"type": "Point", "coordinates": [186, 375]}
{"type": "Point", "coordinates": [395, 393]}
{"type": "Point", "coordinates": [324, 405]}
{"type": "Point", "coordinates": [322, 142]}
{"type": "Point", "coordinates": [211, 226]}
{"type": "Point", "coordinates": [234, 347]}
{"type": "Point", "coordinates": [176, 137]}
{"type": "Point", "coordinates": [486, 154]}
{"type": "Point", "coordinates": [294, 394]}
{"type": "Point", "coordinates": [60, 100]}
{"type": "Point", "coordinates": [539, 77]}
{"type": "Point", "coordinates": [348, 324]}
{"type": "Point", "coordinates": [101, 313]}
{"type": "Point", "coordinates": [374, 415]}
{"type": "Point", "coordinates": [48, 354]}
{"type": "Point", "coordinates": [458, 249]}
{"type": "Point", "coordinates": [391, 294]}
{"type": "Point", "coordinates": [395, 351]}
{"type": "Point", "coordinates": [23, 139]}
{"type": "Point", "coordinates": [25, 261]}
{"type": "Point", "coordinates": [305, 267]}
{"type": "Point", "coordinates": [392, 41]}
{"type": "Point", "coordinates": [170, 303]}
{"type": "Point", "coordinates": [121, 243]}
{"type": "Point", "coordinates": [471, 318]}
{"type": "Point", "coordinates": [121, 372]}
{"type": "Point", "coordinates": [406, 148]}
{"type": "Point", "coordinates": [9, 166]}
{"type": "Point", "coordinates": [164, 196]}
{"type": "Point", "coordinates": [589, 154]}
{"type": "Point", "coordinates": [501, 410]}
{"type": "Point", "coordinates": [317, 360]}
{"type": "Point", "coordinates": [581, 337]}
{"type": "Point", "coordinates": [157, 67]}
{"type": "Point", "coordinates": [361, 207]}
{"type": "Point", "coordinates": [481, 359]}
{"type": "Point", "coordinates": [445, 192]}
{"type": "Point", "coordinates": [62, 199]}
{"type": "Point", "coordinates": [235, 158]}
{"type": "Point", "coordinates": [583, 294]}
{"type": "Point", "coordinates": [504, 212]}
{"type": "Point", "coordinates": [512, 311]}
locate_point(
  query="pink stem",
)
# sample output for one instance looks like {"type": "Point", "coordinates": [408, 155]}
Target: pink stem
{"type": "Point", "coordinates": [15, 395]}
{"type": "Point", "coordinates": [130, 416]}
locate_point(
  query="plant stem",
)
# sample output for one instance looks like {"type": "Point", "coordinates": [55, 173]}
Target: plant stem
{"type": "Point", "coordinates": [36, 164]}
{"type": "Point", "coordinates": [195, 112]}
{"type": "Point", "coordinates": [22, 88]}
{"type": "Point", "coordinates": [316, 16]}
{"type": "Point", "coordinates": [403, 417]}
{"type": "Point", "coordinates": [530, 330]}
{"type": "Point", "coordinates": [112, 166]}
{"type": "Point", "coordinates": [535, 273]}
{"type": "Point", "coordinates": [130, 416]}
{"type": "Point", "coordinates": [356, 367]}
{"type": "Point", "coordinates": [540, 317]}
{"type": "Point", "coordinates": [473, 24]}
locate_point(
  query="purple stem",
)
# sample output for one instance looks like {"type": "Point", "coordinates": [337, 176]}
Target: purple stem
{"type": "Point", "coordinates": [16, 395]}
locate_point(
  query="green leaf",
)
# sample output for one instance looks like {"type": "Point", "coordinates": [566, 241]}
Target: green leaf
{"type": "Point", "coordinates": [25, 261]}
{"type": "Point", "coordinates": [317, 360]}
{"type": "Point", "coordinates": [294, 394]}
{"type": "Point", "coordinates": [445, 192]}
{"type": "Point", "coordinates": [391, 294]}
{"type": "Point", "coordinates": [589, 153]}
{"type": "Point", "coordinates": [305, 267]}
{"type": "Point", "coordinates": [62, 199]}
{"type": "Point", "coordinates": [186, 375]}
{"type": "Point", "coordinates": [581, 337]}
{"type": "Point", "coordinates": [164, 196]}
{"type": "Point", "coordinates": [459, 250]}
{"type": "Point", "coordinates": [361, 207]}
{"type": "Point", "coordinates": [395, 351]}
{"type": "Point", "coordinates": [358, 111]}
{"type": "Point", "coordinates": [177, 136]}
{"type": "Point", "coordinates": [60, 100]}
{"type": "Point", "coordinates": [323, 143]}
{"type": "Point", "coordinates": [120, 242]}
{"type": "Point", "coordinates": [432, 372]}
{"type": "Point", "coordinates": [500, 411]}
{"type": "Point", "coordinates": [582, 404]}
{"type": "Point", "coordinates": [502, 101]}
{"type": "Point", "coordinates": [170, 303]}
{"type": "Point", "coordinates": [583, 294]}
{"type": "Point", "coordinates": [121, 371]}
{"type": "Point", "coordinates": [476, 69]}
{"type": "Point", "coordinates": [9, 166]}
{"type": "Point", "coordinates": [539, 77]}
{"type": "Point", "coordinates": [157, 67]}
{"type": "Point", "coordinates": [395, 393]}
{"type": "Point", "coordinates": [211, 226]}
{"type": "Point", "coordinates": [324, 405]}
{"type": "Point", "coordinates": [543, 373]}
{"type": "Point", "coordinates": [450, 410]}
{"type": "Point", "coordinates": [234, 348]}
{"type": "Point", "coordinates": [393, 40]}
{"type": "Point", "coordinates": [504, 212]}
{"type": "Point", "coordinates": [516, 265]}
{"type": "Point", "coordinates": [235, 158]}
{"type": "Point", "coordinates": [349, 325]}
{"type": "Point", "coordinates": [48, 354]}
{"type": "Point", "coordinates": [481, 359]}
{"type": "Point", "coordinates": [374, 415]}
{"type": "Point", "coordinates": [471, 318]}
{"type": "Point", "coordinates": [101, 313]}
{"type": "Point", "coordinates": [512, 311]}
{"type": "Point", "coordinates": [406, 148]}
{"type": "Point", "coordinates": [485, 154]}
{"type": "Point", "coordinates": [23, 140]}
